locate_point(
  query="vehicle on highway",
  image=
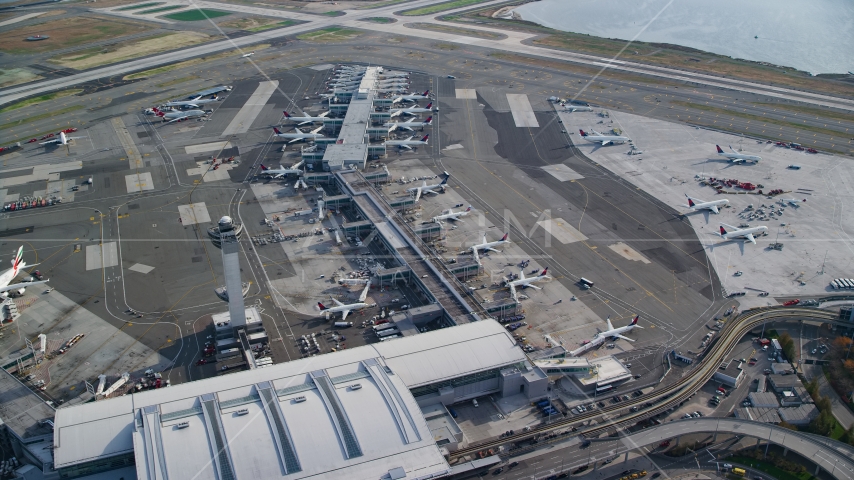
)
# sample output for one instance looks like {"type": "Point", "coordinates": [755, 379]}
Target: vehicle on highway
{"type": "Point", "coordinates": [792, 302]}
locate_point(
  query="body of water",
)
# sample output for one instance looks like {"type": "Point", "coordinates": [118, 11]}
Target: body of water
{"type": "Point", "coordinates": [815, 36]}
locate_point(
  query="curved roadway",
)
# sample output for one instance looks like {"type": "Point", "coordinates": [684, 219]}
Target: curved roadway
{"type": "Point", "coordinates": [674, 393]}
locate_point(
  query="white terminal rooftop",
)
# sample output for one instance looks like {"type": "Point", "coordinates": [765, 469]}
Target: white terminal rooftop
{"type": "Point", "coordinates": [348, 414]}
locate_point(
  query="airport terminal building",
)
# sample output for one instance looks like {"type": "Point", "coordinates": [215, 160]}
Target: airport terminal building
{"type": "Point", "coordinates": [355, 413]}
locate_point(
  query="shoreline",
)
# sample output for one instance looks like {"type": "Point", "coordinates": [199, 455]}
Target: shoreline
{"type": "Point", "coordinates": [659, 54]}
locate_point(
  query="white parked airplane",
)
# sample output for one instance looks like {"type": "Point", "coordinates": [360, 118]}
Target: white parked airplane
{"type": "Point", "coordinates": [577, 108]}
{"type": "Point", "coordinates": [407, 125]}
{"type": "Point", "coordinates": [62, 139]}
{"type": "Point", "coordinates": [395, 75]}
{"type": "Point", "coordinates": [488, 245]}
{"type": "Point", "coordinates": [408, 143]}
{"type": "Point", "coordinates": [424, 188]}
{"type": "Point", "coordinates": [527, 282]}
{"type": "Point", "coordinates": [736, 157]}
{"type": "Point", "coordinates": [300, 135]}
{"type": "Point", "coordinates": [18, 264]}
{"type": "Point", "coordinates": [614, 333]}
{"type": "Point", "coordinates": [179, 116]}
{"type": "Point", "coordinates": [603, 139]}
{"type": "Point", "coordinates": [412, 97]}
{"type": "Point", "coordinates": [194, 103]}
{"type": "Point", "coordinates": [281, 172]}
{"type": "Point", "coordinates": [247, 54]}
{"type": "Point", "coordinates": [451, 215]}
{"type": "Point", "coordinates": [745, 233]}
{"type": "Point", "coordinates": [412, 110]}
{"type": "Point", "coordinates": [345, 309]}
{"type": "Point", "coordinates": [305, 118]}
{"type": "Point", "coordinates": [696, 204]}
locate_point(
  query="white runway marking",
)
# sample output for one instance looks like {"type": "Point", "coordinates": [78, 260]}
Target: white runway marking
{"type": "Point", "coordinates": [628, 252]}
{"type": "Point", "coordinates": [138, 267]}
{"type": "Point", "coordinates": [139, 182]}
{"type": "Point", "coordinates": [467, 93]}
{"type": "Point", "coordinates": [562, 231]}
{"type": "Point", "coordinates": [250, 110]}
{"type": "Point", "coordinates": [97, 257]}
{"type": "Point", "coordinates": [562, 172]}
{"type": "Point", "coordinates": [194, 213]}
{"type": "Point", "coordinates": [207, 147]}
{"type": "Point", "coordinates": [523, 113]}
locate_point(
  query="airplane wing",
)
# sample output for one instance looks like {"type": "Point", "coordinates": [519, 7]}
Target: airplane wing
{"type": "Point", "coordinates": [714, 208]}
{"type": "Point", "coordinates": [347, 312]}
{"type": "Point", "coordinates": [606, 142]}
{"type": "Point", "coordinates": [522, 274]}
{"type": "Point", "coordinates": [513, 291]}
{"type": "Point", "coordinates": [392, 128]}
{"type": "Point", "coordinates": [396, 113]}
{"type": "Point", "coordinates": [737, 160]}
{"type": "Point", "coordinates": [409, 148]}
{"type": "Point", "coordinates": [492, 250]}
{"type": "Point", "coordinates": [531, 285]}
{"type": "Point", "coordinates": [324, 113]}
{"type": "Point", "coordinates": [337, 302]}
{"type": "Point", "coordinates": [16, 286]}
{"type": "Point", "coordinates": [51, 142]}
{"type": "Point", "coordinates": [750, 237]}
{"type": "Point", "coordinates": [405, 128]}
{"type": "Point", "coordinates": [294, 140]}
{"type": "Point", "coordinates": [303, 123]}
{"type": "Point", "coordinates": [364, 294]}
{"type": "Point", "coordinates": [417, 194]}
{"type": "Point", "coordinates": [193, 105]}
{"type": "Point", "coordinates": [624, 338]}
{"type": "Point", "coordinates": [178, 119]}
{"type": "Point", "coordinates": [610, 327]}
{"type": "Point", "coordinates": [317, 129]}
{"type": "Point", "coordinates": [475, 255]}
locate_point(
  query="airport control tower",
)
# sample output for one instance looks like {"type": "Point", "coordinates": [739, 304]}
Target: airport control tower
{"type": "Point", "coordinates": [239, 328]}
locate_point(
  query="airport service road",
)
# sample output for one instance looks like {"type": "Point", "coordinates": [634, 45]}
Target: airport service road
{"type": "Point", "coordinates": [511, 44]}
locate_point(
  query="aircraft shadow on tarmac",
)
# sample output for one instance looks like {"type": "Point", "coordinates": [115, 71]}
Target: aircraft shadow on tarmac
{"type": "Point", "coordinates": [740, 243]}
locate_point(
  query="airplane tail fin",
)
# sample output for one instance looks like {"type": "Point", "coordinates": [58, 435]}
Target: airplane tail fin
{"type": "Point", "coordinates": [424, 139]}
{"type": "Point", "coordinates": [429, 120]}
{"type": "Point", "coordinates": [277, 130]}
{"type": "Point", "coordinates": [504, 238]}
{"type": "Point", "coordinates": [426, 92]}
{"type": "Point", "coordinates": [444, 180]}
{"type": "Point", "coordinates": [635, 320]}
{"type": "Point", "coordinates": [17, 261]}
{"type": "Point", "coordinates": [720, 150]}
{"type": "Point", "coordinates": [286, 114]}
{"type": "Point", "coordinates": [468, 209]}
{"type": "Point", "coordinates": [690, 202]}
{"type": "Point", "coordinates": [429, 105]}
{"type": "Point", "coordinates": [263, 168]}
{"type": "Point", "coordinates": [321, 306]}
{"type": "Point", "coordinates": [545, 272]}
{"type": "Point", "coordinates": [582, 132]}
{"type": "Point", "coordinates": [723, 231]}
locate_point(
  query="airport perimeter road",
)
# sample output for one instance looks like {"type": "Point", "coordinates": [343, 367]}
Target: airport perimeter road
{"type": "Point", "coordinates": [512, 43]}
{"type": "Point", "coordinates": [832, 456]}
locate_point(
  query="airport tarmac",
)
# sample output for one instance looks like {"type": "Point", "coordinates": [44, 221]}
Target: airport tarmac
{"type": "Point", "coordinates": [558, 206]}
{"type": "Point", "coordinates": [808, 218]}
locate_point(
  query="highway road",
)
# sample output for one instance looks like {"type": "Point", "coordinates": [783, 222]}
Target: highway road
{"type": "Point", "coordinates": [834, 457]}
{"type": "Point", "coordinates": [609, 418]}
{"type": "Point", "coordinates": [512, 43]}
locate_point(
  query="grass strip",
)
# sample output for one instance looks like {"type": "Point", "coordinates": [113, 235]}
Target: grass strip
{"type": "Point", "coordinates": [141, 5]}
{"type": "Point", "coordinates": [261, 28]}
{"type": "Point", "coordinates": [757, 118]}
{"type": "Point", "coordinates": [381, 4]}
{"type": "Point", "coordinates": [195, 15]}
{"type": "Point", "coordinates": [818, 112]}
{"type": "Point", "coordinates": [161, 9]}
{"type": "Point", "coordinates": [39, 99]}
{"type": "Point", "coordinates": [42, 116]}
{"type": "Point", "coordinates": [441, 7]}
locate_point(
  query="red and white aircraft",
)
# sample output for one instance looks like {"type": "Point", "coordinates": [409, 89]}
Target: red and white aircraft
{"type": "Point", "coordinates": [62, 139]}
{"type": "Point", "coordinates": [696, 204]}
{"type": "Point", "coordinates": [412, 97]}
{"type": "Point", "coordinates": [527, 282]}
{"type": "Point", "coordinates": [18, 264]}
{"type": "Point", "coordinates": [345, 309]}
{"type": "Point", "coordinates": [179, 116]}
